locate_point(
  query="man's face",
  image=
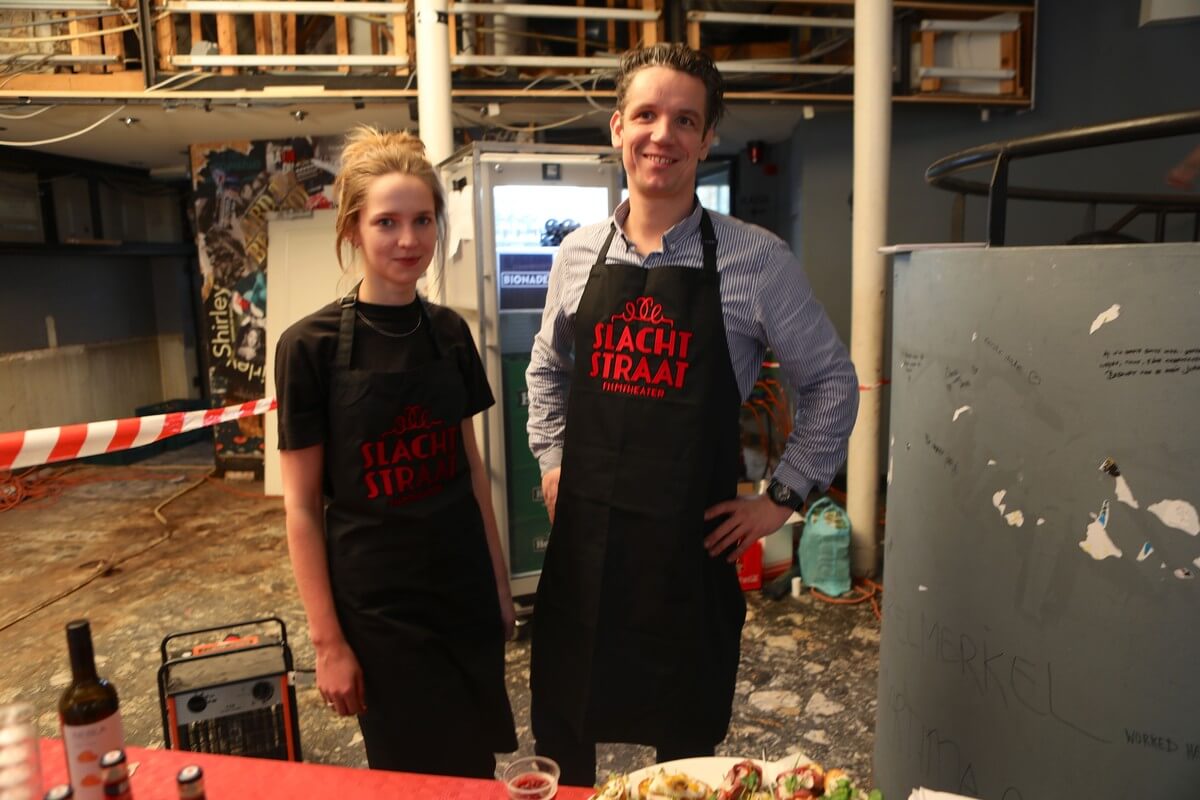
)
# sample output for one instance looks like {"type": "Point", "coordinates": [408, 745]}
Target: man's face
{"type": "Point", "coordinates": [661, 133]}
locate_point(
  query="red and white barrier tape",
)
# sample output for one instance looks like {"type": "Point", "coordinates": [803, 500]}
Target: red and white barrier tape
{"type": "Point", "coordinates": [46, 445]}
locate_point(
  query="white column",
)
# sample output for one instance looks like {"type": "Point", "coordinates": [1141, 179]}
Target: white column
{"type": "Point", "coordinates": [433, 78]}
{"type": "Point", "coordinates": [872, 140]}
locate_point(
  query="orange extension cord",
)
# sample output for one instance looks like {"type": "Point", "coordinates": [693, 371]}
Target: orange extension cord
{"type": "Point", "coordinates": [45, 484]}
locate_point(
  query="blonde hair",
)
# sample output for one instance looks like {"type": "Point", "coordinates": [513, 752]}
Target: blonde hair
{"type": "Point", "coordinates": [370, 153]}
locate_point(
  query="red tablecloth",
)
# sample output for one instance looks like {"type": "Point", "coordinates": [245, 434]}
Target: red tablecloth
{"type": "Point", "coordinates": [229, 777]}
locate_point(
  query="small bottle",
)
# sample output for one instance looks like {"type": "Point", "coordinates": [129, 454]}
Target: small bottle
{"type": "Point", "coordinates": [190, 781]}
{"type": "Point", "coordinates": [61, 792]}
{"type": "Point", "coordinates": [89, 715]}
{"type": "Point", "coordinates": [116, 776]}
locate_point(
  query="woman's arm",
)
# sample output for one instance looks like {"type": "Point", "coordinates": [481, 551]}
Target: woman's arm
{"type": "Point", "coordinates": [339, 677]}
{"type": "Point", "coordinates": [481, 484]}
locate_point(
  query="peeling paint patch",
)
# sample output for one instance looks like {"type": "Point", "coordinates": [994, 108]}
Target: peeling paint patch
{"type": "Point", "coordinates": [1147, 549]}
{"type": "Point", "coordinates": [991, 462]}
{"type": "Point", "coordinates": [998, 500]}
{"type": "Point", "coordinates": [1097, 543]}
{"type": "Point", "coordinates": [1015, 518]}
{"type": "Point", "coordinates": [1041, 521]}
{"type": "Point", "coordinates": [1178, 514]}
{"type": "Point", "coordinates": [974, 335]}
{"type": "Point", "coordinates": [923, 588]}
{"type": "Point", "coordinates": [1105, 317]}
{"type": "Point", "coordinates": [959, 412]}
{"type": "Point", "coordinates": [1197, 562]}
{"type": "Point", "coordinates": [1185, 574]}
{"type": "Point", "coordinates": [1124, 495]}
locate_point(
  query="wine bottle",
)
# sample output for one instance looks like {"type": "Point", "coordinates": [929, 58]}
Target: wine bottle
{"type": "Point", "coordinates": [89, 716]}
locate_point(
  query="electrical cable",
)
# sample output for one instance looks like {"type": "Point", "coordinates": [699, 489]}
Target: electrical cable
{"type": "Point", "coordinates": [40, 23]}
{"type": "Point", "coordinates": [532, 128]}
{"type": "Point", "coordinates": [24, 69]}
{"type": "Point", "coordinates": [106, 565]}
{"type": "Point", "coordinates": [67, 37]}
{"type": "Point", "coordinates": [30, 115]}
{"type": "Point", "coordinates": [195, 77]}
{"type": "Point", "coordinates": [67, 136]}
{"type": "Point", "coordinates": [864, 590]}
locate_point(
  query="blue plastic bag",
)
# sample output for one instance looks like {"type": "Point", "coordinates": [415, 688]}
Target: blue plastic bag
{"type": "Point", "coordinates": [825, 548]}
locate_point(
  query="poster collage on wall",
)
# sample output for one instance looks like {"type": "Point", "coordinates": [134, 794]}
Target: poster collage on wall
{"type": "Point", "coordinates": [236, 186]}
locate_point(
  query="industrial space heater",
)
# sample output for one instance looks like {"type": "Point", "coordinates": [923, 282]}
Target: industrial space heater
{"type": "Point", "coordinates": [228, 690]}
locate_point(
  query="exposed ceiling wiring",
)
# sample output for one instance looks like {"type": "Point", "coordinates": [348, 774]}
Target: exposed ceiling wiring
{"type": "Point", "coordinates": [66, 37]}
{"type": "Point", "coordinates": [30, 115]}
{"type": "Point", "coordinates": [531, 128]}
{"type": "Point", "coordinates": [67, 136]}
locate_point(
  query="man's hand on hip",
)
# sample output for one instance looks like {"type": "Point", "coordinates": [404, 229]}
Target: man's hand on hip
{"type": "Point", "coordinates": [550, 491]}
{"type": "Point", "coordinates": [749, 520]}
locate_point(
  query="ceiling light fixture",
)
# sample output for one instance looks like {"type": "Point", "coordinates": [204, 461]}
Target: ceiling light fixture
{"type": "Point", "coordinates": [130, 121]}
{"type": "Point", "coordinates": [299, 115]}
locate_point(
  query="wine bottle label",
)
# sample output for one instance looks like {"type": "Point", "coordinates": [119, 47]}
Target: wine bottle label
{"type": "Point", "coordinates": [84, 745]}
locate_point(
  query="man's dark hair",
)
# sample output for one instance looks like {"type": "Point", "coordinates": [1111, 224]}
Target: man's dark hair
{"type": "Point", "coordinates": [684, 59]}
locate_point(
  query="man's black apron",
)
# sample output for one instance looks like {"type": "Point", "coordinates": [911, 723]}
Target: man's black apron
{"type": "Point", "coordinates": [637, 630]}
{"type": "Point", "coordinates": [408, 558]}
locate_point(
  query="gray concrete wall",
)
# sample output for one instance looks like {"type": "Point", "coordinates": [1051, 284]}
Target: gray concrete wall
{"type": "Point", "coordinates": [93, 299]}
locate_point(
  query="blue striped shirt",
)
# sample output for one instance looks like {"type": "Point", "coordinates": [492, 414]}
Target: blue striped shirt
{"type": "Point", "coordinates": [766, 300]}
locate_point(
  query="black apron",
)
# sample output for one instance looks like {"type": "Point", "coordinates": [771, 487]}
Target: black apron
{"type": "Point", "coordinates": [408, 557]}
{"type": "Point", "coordinates": [637, 630]}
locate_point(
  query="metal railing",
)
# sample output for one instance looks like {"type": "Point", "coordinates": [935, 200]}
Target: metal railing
{"type": "Point", "coordinates": [944, 173]}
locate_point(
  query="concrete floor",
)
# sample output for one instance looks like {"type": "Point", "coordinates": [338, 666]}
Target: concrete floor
{"type": "Point", "coordinates": [807, 681]}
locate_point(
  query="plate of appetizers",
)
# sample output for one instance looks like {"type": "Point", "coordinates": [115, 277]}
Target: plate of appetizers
{"type": "Point", "coordinates": [727, 778]}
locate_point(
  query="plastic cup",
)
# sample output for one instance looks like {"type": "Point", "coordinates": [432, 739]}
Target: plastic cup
{"type": "Point", "coordinates": [20, 760]}
{"type": "Point", "coordinates": [531, 778]}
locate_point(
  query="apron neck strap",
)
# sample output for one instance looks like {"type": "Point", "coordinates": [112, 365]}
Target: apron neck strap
{"type": "Point", "coordinates": [345, 344]}
{"type": "Point", "coordinates": [602, 255]}
{"type": "Point", "coordinates": [708, 241]}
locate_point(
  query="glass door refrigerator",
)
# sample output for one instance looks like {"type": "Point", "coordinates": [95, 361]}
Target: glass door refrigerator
{"type": "Point", "coordinates": [510, 205]}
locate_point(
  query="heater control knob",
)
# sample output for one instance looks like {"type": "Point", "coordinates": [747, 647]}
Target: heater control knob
{"type": "Point", "coordinates": [262, 691]}
{"type": "Point", "coordinates": [196, 703]}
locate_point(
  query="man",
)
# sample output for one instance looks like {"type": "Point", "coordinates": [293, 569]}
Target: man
{"type": "Point", "coordinates": [653, 335]}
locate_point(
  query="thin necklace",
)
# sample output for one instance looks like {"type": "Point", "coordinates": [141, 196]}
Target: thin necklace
{"type": "Point", "coordinates": [389, 334]}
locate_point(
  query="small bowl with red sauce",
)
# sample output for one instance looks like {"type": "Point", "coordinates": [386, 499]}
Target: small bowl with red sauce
{"type": "Point", "coordinates": [531, 778]}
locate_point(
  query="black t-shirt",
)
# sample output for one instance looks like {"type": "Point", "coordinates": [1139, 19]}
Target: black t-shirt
{"type": "Point", "coordinates": [306, 351]}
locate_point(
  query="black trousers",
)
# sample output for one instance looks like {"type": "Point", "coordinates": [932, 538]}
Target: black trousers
{"type": "Point", "coordinates": [577, 759]}
{"type": "Point", "coordinates": [463, 756]}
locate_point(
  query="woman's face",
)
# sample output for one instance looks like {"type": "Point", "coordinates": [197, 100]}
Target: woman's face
{"type": "Point", "coordinates": [396, 233]}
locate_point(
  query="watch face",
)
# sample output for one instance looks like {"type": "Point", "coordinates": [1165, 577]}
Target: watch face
{"type": "Point", "coordinates": [781, 494]}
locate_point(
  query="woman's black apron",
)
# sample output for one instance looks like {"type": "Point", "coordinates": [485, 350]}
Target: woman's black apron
{"type": "Point", "coordinates": [637, 630]}
{"type": "Point", "coordinates": [408, 557]}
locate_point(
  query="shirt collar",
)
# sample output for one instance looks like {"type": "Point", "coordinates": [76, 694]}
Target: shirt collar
{"type": "Point", "coordinates": [686, 227]}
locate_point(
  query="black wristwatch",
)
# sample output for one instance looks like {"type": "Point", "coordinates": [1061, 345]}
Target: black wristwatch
{"type": "Point", "coordinates": [782, 495]}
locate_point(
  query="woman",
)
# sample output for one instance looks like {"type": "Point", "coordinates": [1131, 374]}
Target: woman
{"type": "Point", "coordinates": [390, 525]}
